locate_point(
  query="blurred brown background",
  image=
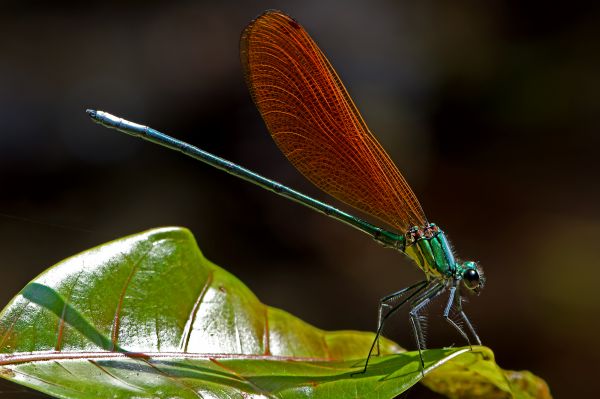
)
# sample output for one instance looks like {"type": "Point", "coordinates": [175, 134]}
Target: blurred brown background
{"type": "Point", "coordinates": [490, 109]}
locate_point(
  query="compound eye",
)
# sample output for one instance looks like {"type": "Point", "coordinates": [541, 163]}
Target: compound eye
{"type": "Point", "coordinates": [471, 278]}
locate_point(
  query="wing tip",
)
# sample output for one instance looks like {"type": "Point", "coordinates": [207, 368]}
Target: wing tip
{"type": "Point", "coordinates": [270, 14]}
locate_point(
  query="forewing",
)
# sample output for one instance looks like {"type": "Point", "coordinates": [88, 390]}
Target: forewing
{"type": "Point", "coordinates": [316, 125]}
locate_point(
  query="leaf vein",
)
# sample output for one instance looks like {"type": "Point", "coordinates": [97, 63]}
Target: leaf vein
{"type": "Point", "coordinates": [187, 333]}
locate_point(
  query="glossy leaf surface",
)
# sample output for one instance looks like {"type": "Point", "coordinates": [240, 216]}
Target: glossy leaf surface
{"type": "Point", "coordinates": [476, 375]}
{"type": "Point", "coordinates": [148, 316]}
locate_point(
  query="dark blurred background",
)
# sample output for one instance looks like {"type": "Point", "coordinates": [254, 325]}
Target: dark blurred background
{"type": "Point", "coordinates": [490, 109]}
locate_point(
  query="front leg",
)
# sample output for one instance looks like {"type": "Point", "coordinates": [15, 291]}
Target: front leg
{"type": "Point", "coordinates": [455, 297]}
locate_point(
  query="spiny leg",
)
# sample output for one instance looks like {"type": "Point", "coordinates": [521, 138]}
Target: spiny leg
{"type": "Point", "coordinates": [418, 287]}
{"type": "Point", "coordinates": [452, 297]}
{"type": "Point", "coordinates": [466, 320]}
{"type": "Point", "coordinates": [418, 304]}
{"type": "Point", "coordinates": [470, 326]}
{"type": "Point", "coordinates": [385, 303]}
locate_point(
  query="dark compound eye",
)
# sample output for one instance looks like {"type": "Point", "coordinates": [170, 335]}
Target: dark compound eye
{"type": "Point", "coordinates": [471, 278]}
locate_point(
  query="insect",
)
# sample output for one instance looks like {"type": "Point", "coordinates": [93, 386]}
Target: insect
{"type": "Point", "coordinates": [315, 123]}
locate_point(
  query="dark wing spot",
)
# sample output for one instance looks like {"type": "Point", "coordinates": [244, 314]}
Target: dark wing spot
{"type": "Point", "coordinates": [294, 24]}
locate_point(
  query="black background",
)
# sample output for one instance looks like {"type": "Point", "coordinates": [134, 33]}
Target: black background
{"type": "Point", "coordinates": [490, 109]}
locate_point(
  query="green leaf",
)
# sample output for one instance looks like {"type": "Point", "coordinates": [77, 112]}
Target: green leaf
{"type": "Point", "coordinates": [148, 316]}
{"type": "Point", "coordinates": [475, 374]}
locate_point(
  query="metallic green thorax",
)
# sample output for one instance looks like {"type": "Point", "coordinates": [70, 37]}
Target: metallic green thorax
{"type": "Point", "coordinates": [430, 249]}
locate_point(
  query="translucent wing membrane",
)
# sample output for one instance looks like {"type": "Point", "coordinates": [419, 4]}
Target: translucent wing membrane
{"type": "Point", "coordinates": [314, 122]}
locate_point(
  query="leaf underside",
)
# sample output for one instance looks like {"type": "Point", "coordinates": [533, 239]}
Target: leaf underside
{"type": "Point", "coordinates": [148, 316]}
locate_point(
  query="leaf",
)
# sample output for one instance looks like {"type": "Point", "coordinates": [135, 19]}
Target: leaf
{"type": "Point", "coordinates": [475, 374]}
{"type": "Point", "coordinates": [148, 316]}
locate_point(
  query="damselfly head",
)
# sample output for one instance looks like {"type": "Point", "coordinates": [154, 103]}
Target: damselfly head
{"type": "Point", "coordinates": [472, 276]}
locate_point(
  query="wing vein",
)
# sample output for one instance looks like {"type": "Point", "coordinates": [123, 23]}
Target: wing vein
{"type": "Point", "coordinates": [315, 123]}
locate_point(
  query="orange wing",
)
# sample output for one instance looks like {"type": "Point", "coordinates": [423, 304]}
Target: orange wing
{"type": "Point", "coordinates": [316, 125]}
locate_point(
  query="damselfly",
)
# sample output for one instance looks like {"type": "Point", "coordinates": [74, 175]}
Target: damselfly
{"type": "Point", "coordinates": [313, 120]}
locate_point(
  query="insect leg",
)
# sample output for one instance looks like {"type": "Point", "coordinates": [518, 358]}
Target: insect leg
{"type": "Point", "coordinates": [452, 298]}
{"type": "Point", "coordinates": [466, 320]}
{"type": "Point", "coordinates": [417, 288]}
{"type": "Point", "coordinates": [422, 300]}
{"type": "Point", "coordinates": [385, 303]}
